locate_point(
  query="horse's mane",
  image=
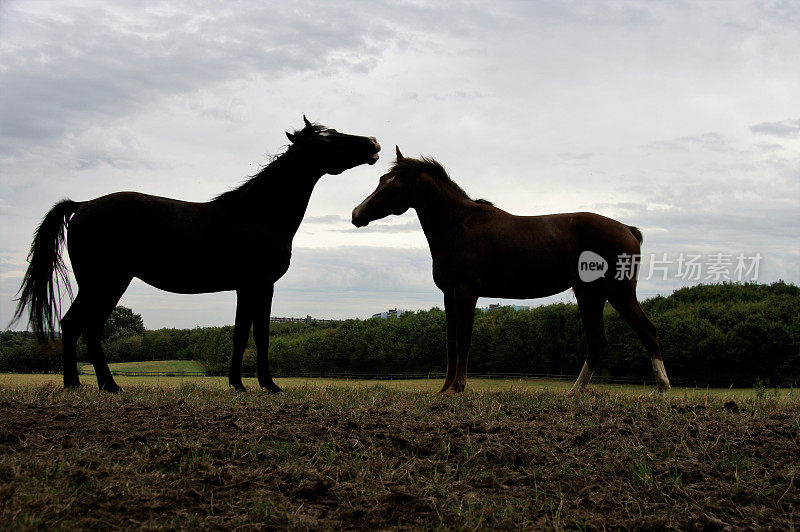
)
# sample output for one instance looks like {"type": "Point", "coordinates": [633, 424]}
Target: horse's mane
{"type": "Point", "coordinates": [299, 135]}
{"type": "Point", "coordinates": [433, 168]}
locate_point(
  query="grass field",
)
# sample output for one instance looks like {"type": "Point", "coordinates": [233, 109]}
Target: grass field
{"type": "Point", "coordinates": [360, 455]}
{"type": "Point", "coordinates": [176, 366]}
{"type": "Point", "coordinates": [410, 385]}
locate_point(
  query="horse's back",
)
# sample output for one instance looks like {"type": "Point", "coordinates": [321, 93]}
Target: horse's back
{"type": "Point", "coordinates": [126, 217]}
{"type": "Point", "coordinates": [130, 233]}
{"type": "Point", "coordinates": [578, 229]}
{"type": "Point", "coordinates": [119, 205]}
{"type": "Point", "coordinates": [592, 229]}
{"type": "Point", "coordinates": [175, 245]}
{"type": "Point", "coordinates": [506, 255]}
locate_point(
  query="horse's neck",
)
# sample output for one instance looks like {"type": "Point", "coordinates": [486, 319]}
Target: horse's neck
{"type": "Point", "coordinates": [440, 210]}
{"type": "Point", "coordinates": [280, 197]}
{"type": "Point", "coordinates": [293, 202]}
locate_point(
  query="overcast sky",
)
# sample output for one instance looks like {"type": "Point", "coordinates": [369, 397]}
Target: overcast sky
{"type": "Point", "coordinates": [682, 118]}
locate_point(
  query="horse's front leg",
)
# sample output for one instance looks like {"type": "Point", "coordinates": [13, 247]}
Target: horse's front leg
{"type": "Point", "coordinates": [465, 318]}
{"type": "Point", "coordinates": [452, 344]}
{"type": "Point", "coordinates": [261, 336]}
{"type": "Point", "coordinates": [241, 332]}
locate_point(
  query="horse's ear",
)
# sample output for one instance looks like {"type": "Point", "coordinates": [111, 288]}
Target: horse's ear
{"type": "Point", "coordinates": [308, 124]}
{"type": "Point", "coordinates": [290, 137]}
{"type": "Point", "coordinates": [397, 152]}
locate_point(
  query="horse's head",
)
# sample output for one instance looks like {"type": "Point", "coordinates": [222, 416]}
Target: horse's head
{"type": "Point", "coordinates": [332, 151]}
{"type": "Point", "coordinates": [393, 195]}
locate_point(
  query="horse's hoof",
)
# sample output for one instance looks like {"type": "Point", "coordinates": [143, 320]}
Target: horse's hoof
{"type": "Point", "coordinates": [72, 385]}
{"type": "Point", "coordinates": [269, 386]}
{"type": "Point", "coordinates": [112, 388]}
{"type": "Point", "coordinates": [238, 388]}
{"type": "Point", "coordinates": [454, 389]}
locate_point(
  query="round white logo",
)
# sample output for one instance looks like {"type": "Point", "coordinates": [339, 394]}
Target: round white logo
{"type": "Point", "coordinates": [591, 266]}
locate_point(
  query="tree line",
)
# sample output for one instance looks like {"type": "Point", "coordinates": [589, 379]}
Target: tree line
{"type": "Point", "coordinates": [714, 335]}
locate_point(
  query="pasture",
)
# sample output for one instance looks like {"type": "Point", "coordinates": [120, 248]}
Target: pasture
{"type": "Point", "coordinates": [179, 454]}
{"type": "Point", "coordinates": [166, 366]}
{"type": "Point", "coordinates": [409, 385]}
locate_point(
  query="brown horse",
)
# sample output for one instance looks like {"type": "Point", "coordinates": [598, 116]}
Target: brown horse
{"type": "Point", "coordinates": [480, 250]}
{"type": "Point", "coordinates": [241, 240]}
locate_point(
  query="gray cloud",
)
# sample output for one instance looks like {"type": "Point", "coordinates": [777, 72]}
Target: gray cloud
{"type": "Point", "coordinates": [541, 106]}
{"type": "Point", "coordinates": [326, 219]}
{"type": "Point", "coordinates": [381, 227]}
{"type": "Point", "coordinates": [359, 268]}
{"type": "Point", "coordinates": [576, 157]}
{"type": "Point", "coordinates": [344, 225]}
{"type": "Point", "coordinates": [96, 62]}
{"type": "Point", "coordinates": [786, 129]}
{"type": "Point", "coordinates": [708, 141]}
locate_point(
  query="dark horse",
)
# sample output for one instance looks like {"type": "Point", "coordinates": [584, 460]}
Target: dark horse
{"type": "Point", "coordinates": [480, 250]}
{"type": "Point", "coordinates": [241, 240]}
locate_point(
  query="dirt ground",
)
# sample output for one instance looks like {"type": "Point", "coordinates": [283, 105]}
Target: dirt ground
{"type": "Point", "coordinates": [376, 458]}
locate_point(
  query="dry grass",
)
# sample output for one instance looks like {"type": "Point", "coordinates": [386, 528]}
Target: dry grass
{"type": "Point", "coordinates": [410, 385]}
{"type": "Point", "coordinates": [365, 456]}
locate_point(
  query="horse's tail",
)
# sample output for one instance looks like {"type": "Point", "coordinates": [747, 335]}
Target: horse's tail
{"type": "Point", "coordinates": [637, 233]}
{"type": "Point", "coordinates": [41, 287]}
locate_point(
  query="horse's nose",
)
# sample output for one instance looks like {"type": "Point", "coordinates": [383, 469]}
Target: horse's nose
{"type": "Point", "coordinates": [359, 220]}
{"type": "Point", "coordinates": [375, 142]}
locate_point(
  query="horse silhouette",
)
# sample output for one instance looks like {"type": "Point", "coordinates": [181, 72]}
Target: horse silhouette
{"type": "Point", "coordinates": [480, 250]}
{"type": "Point", "coordinates": [241, 240]}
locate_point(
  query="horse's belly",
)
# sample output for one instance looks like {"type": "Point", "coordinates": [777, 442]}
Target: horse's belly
{"type": "Point", "coordinates": [525, 290]}
{"type": "Point", "coordinates": [196, 275]}
{"type": "Point", "coordinates": [520, 281]}
{"type": "Point", "coordinates": [187, 284]}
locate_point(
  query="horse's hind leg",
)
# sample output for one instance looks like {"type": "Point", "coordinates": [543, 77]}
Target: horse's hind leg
{"type": "Point", "coordinates": [632, 312]}
{"type": "Point", "coordinates": [96, 308]}
{"type": "Point", "coordinates": [591, 306]}
{"type": "Point", "coordinates": [70, 332]}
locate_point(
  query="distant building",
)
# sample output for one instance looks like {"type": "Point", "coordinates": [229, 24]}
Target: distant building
{"type": "Point", "coordinates": [391, 313]}
{"type": "Point", "coordinates": [307, 319]}
{"type": "Point", "coordinates": [497, 306]}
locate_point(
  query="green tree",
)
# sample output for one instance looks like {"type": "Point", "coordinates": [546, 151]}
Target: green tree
{"type": "Point", "coordinates": [122, 323]}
